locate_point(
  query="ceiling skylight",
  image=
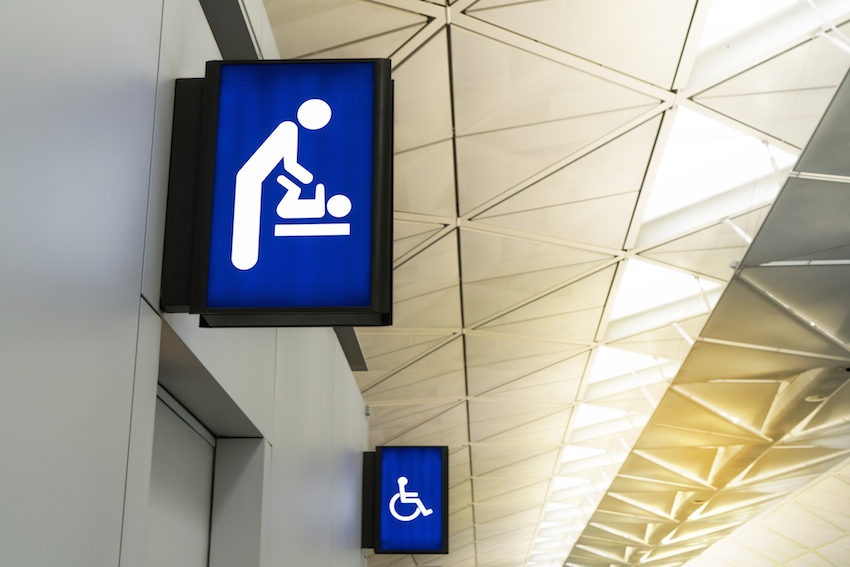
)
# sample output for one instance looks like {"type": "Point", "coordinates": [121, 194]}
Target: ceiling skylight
{"type": "Point", "coordinates": [704, 158]}
{"type": "Point", "coordinates": [730, 17]}
{"type": "Point", "coordinates": [612, 362]}
{"type": "Point", "coordinates": [591, 415]}
{"type": "Point", "coordinates": [577, 452]}
{"type": "Point", "coordinates": [646, 286]}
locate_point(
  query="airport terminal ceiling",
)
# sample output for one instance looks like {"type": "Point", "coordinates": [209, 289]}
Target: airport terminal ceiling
{"type": "Point", "coordinates": [577, 183]}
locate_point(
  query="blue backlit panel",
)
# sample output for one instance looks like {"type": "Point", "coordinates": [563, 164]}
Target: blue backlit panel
{"type": "Point", "coordinates": [291, 223]}
{"type": "Point", "coordinates": [413, 485]}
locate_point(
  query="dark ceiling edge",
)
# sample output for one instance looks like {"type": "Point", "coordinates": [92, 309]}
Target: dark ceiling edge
{"type": "Point", "coordinates": [229, 29]}
{"type": "Point", "coordinates": [347, 337]}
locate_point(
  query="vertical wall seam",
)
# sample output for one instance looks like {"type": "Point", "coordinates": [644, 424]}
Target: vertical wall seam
{"type": "Point", "coordinates": [142, 300]}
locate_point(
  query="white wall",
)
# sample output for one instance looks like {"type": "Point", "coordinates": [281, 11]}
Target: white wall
{"type": "Point", "coordinates": [85, 114]}
{"type": "Point", "coordinates": [76, 115]}
{"type": "Point", "coordinates": [319, 431]}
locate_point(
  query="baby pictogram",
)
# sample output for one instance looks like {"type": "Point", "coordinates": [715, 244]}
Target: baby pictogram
{"type": "Point", "coordinates": [406, 497]}
{"type": "Point", "coordinates": [282, 146]}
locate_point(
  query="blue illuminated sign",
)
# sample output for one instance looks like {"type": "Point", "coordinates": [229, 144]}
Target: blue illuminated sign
{"type": "Point", "coordinates": [292, 197]}
{"type": "Point", "coordinates": [295, 199]}
{"type": "Point", "coordinates": [413, 500]}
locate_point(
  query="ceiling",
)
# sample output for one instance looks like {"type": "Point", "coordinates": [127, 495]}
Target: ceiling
{"type": "Point", "coordinates": [572, 181]}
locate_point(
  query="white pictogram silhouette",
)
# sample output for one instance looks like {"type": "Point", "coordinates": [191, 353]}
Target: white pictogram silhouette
{"type": "Point", "coordinates": [406, 497]}
{"type": "Point", "coordinates": [282, 146]}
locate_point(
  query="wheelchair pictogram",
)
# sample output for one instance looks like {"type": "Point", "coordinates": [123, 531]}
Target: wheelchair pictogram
{"type": "Point", "coordinates": [406, 497]}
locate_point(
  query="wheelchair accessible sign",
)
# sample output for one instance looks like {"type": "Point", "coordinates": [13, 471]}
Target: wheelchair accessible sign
{"type": "Point", "coordinates": [292, 207]}
{"type": "Point", "coordinates": [413, 484]}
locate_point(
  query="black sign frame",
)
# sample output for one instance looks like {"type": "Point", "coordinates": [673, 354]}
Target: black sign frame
{"type": "Point", "coordinates": [376, 504]}
{"type": "Point", "coordinates": [189, 216]}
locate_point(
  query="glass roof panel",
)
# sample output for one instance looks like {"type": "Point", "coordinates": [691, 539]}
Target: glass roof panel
{"type": "Point", "coordinates": [612, 362]}
{"type": "Point", "coordinates": [729, 17]}
{"type": "Point", "coordinates": [646, 286]}
{"type": "Point", "coordinates": [704, 158]}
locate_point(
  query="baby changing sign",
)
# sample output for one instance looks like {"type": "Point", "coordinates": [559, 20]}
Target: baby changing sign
{"type": "Point", "coordinates": [298, 189]}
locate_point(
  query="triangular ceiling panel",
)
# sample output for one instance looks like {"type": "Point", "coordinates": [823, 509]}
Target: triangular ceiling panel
{"type": "Point", "coordinates": [448, 428]}
{"type": "Point", "coordinates": [432, 269]}
{"type": "Point", "coordinates": [643, 39]}
{"type": "Point", "coordinates": [520, 513]}
{"type": "Point", "coordinates": [438, 375]}
{"type": "Point", "coordinates": [624, 485]}
{"type": "Point", "coordinates": [743, 305]}
{"type": "Point", "coordinates": [558, 382]}
{"type": "Point", "coordinates": [500, 528]}
{"type": "Point", "coordinates": [497, 86]}
{"type": "Point", "coordinates": [709, 251]}
{"type": "Point", "coordinates": [459, 465]}
{"type": "Point", "coordinates": [548, 430]}
{"type": "Point", "coordinates": [796, 460]}
{"type": "Point", "coordinates": [620, 506]}
{"type": "Point", "coordinates": [408, 235]}
{"type": "Point", "coordinates": [375, 47]}
{"type": "Point", "coordinates": [425, 287]}
{"type": "Point", "coordinates": [676, 409]}
{"type": "Point", "coordinates": [488, 256]}
{"type": "Point", "coordinates": [424, 180]}
{"type": "Point", "coordinates": [558, 205]}
{"type": "Point", "coordinates": [490, 418]}
{"type": "Point", "coordinates": [818, 293]}
{"type": "Point", "coordinates": [436, 310]}
{"type": "Point", "coordinates": [485, 298]}
{"type": "Point", "coordinates": [493, 459]}
{"type": "Point", "coordinates": [712, 361]}
{"type": "Point", "coordinates": [493, 360]}
{"type": "Point", "coordinates": [487, 488]}
{"type": "Point", "coordinates": [500, 271]}
{"type": "Point", "coordinates": [387, 422]}
{"type": "Point", "coordinates": [786, 95]}
{"type": "Point", "coordinates": [728, 501]}
{"type": "Point", "coordinates": [748, 401]}
{"type": "Point", "coordinates": [460, 495]}
{"type": "Point", "coordinates": [423, 107]}
{"type": "Point", "coordinates": [834, 411]}
{"type": "Point", "coordinates": [493, 162]}
{"type": "Point", "coordinates": [585, 221]}
{"type": "Point", "coordinates": [697, 461]}
{"type": "Point", "coordinates": [570, 313]}
{"type": "Point", "coordinates": [801, 526]}
{"type": "Point", "coordinates": [302, 27]}
{"type": "Point", "coordinates": [387, 352]}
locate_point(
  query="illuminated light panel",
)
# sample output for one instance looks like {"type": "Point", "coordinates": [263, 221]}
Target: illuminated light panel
{"type": "Point", "coordinates": [646, 286]}
{"type": "Point", "coordinates": [562, 482]}
{"type": "Point", "coordinates": [613, 362]}
{"type": "Point", "coordinates": [704, 158]}
{"type": "Point", "coordinates": [577, 453]}
{"type": "Point", "coordinates": [591, 415]}
{"type": "Point", "coordinates": [730, 17]}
